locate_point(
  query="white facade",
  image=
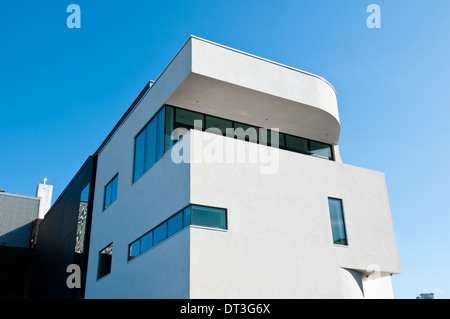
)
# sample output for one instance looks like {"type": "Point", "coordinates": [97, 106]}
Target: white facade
{"type": "Point", "coordinates": [278, 242]}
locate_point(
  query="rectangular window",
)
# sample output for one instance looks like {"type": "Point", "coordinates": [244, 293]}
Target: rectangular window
{"type": "Point", "coordinates": [139, 149]}
{"type": "Point", "coordinates": [81, 221]}
{"type": "Point", "coordinates": [187, 216]}
{"type": "Point", "coordinates": [160, 233]}
{"type": "Point", "coordinates": [209, 217]}
{"type": "Point", "coordinates": [337, 221]}
{"type": "Point", "coordinates": [246, 132]}
{"type": "Point", "coordinates": [191, 215]}
{"type": "Point", "coordinates": [104, 261]}
{"type": "Point", "coordinates": [175, 224]}
{"type": "Point", "coordinates": [149, 145]}
{"type": "Point", "coordinates": [218, 123]}
{"type": "Point", "coordinates": [169, 127]}
{"type": "Point", "coordinates": [186, 119]}
{"type": "Point", "coordinates": [146, 241]}
{"type": "Point", "coordinates": [111, 192]}
{"type": "Point", "coordinates": [135, 249]}
{"type": "Point", "coordinates": [320, 149]}
{"type": "Point", "coordinates": [297, 144]}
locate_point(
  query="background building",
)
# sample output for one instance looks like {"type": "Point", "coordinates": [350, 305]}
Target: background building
{"type": "Point", "coordinates": [19, 223]}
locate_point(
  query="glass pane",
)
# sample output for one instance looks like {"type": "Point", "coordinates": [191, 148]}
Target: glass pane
{"type": "Point", "coordinates": [139, 156]}
{"type": "Point", "coordinates": [81, 220]}
{"type": "Point", "coordinates": [337, 221]}
{"type": "Point", "coordinates": [160, 233]}
{"type": "Point", "coordinates": [146, 242]}
{"type": "Point", "coordinates": [160, 118]}
{"type": "Point", "coordinates": [135, 249]}
{"type": "Point", "coordinates": [169, 127]}
{"type": "Point", "coordinates": [209, 217]}
{"type": "Point", "coordinates": [174, 224]}
{"type": "Point", "coordinates": [114, 189]}
{"type": "Point", "coordinates": [297, 144]}
{"type": "Point", "coordinates": [215, 122]}
{"type": "Point", "coordinates": [187, 216]}
{"type": "Point", "coordinates": [246, 132]}
{"type": "Point", "coordinates": [185, 118]}
{"type": "Point", "coordinates": [321, 149]}
{"type": "Point", "coordinates": [150, 145]}
{"type": "Point", "coordinates": [282, 138]}
{"type": "Point", "coordinates": [107, 195]}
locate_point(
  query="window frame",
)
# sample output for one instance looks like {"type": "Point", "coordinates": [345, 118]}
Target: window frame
{"type": "Point", "coordinates": [99, 274]}
{"type": "Point", "coordinates": [344, 225]}
{"type": "Point", "coordinates": [186, 216]}
{"type": "Point", "coordinates": [116, 176]}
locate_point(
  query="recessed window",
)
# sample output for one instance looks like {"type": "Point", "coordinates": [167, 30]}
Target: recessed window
{"type": "Point", "coordinates": [209, 217]}
{"type": "Point", "coordinates": [246, 132]}
{"type": "Point", "coordinates": [186, 119]}
{"type": "Point", "coordinates": [320, 149]}
{"type": "Point", "coordinates": [218, 123]}
{"type": "Point", "coordinates": [111, 192]}
{"type": "Point", "coordinates": [297, 144]}
{"type": "Point", "coordinates": [337, 221]}
{"type": "Point", "coordinates": [104, 261]}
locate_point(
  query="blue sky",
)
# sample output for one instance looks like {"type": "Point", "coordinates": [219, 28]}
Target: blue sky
{"type": "Point", "coordinates": [62, 91]}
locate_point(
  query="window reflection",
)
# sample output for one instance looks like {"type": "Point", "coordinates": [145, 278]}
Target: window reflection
{"type": "Point", "coordinates": [81, 222]}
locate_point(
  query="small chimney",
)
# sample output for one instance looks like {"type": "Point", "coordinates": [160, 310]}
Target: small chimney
{"type": "Point", "coordinates": [44, 192]}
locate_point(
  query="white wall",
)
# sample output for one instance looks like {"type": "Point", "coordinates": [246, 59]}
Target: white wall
{"type": "Point", "coordinates": [279, 242]}
{"type": "Point", "coordinates": [140, 206]}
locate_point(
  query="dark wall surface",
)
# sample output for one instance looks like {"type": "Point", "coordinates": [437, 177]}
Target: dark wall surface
{"type": "Point", "coordinates": [58, 245]}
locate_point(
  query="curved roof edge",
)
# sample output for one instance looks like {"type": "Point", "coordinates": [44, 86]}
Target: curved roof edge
{"type": "Point", "coordinates": [263, 59]}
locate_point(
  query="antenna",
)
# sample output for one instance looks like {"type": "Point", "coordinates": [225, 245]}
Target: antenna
{"type": "Point", "coordinates": [45, 180]}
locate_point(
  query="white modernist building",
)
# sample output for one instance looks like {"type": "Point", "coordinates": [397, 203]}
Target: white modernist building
{"type": "Point", "coordinates": [252, 202]}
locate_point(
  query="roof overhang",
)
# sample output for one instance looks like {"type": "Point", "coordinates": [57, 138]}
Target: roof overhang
{"type": "Point", "coordinates": [231, 84]}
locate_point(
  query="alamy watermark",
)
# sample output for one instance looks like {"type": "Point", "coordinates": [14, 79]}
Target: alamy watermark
{"type": "Point", "coordinates": [214, 148]}
{"type": "Point", "coordinates": [74, 19]}
{"type": "Point", "coordinates": [374, 19]}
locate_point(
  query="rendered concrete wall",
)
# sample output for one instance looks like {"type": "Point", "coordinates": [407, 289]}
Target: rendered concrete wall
{"type": "Point", "coordinates": [279, 242]}
{"type": "Point", "coordinates": [140, 206]}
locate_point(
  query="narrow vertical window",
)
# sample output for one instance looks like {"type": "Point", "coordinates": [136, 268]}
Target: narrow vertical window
{"type": "Point", "coordinates": [337, 221]}
{"type": "Point", "coordinates": [104, 261]}
{"type": "Point", "coordinates": [139, 149]}
{"type": "Point", "coordinates": [111, 192]}
{"type": "Point", "coordinates": [150, 145]}
{"type": "Point", "coordinates": [81, 222]}
{"type": "Point", "coordinates": [169, 127]}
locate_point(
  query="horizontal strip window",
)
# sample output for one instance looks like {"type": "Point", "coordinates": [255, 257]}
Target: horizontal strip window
{"type": "Point", "coordinates": [181, 118]}
{"type": "Point", "coordinates": [191, 215]}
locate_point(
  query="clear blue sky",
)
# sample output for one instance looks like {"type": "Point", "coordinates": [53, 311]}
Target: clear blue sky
{"type": "Point", "coordinates": [62, 91]}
